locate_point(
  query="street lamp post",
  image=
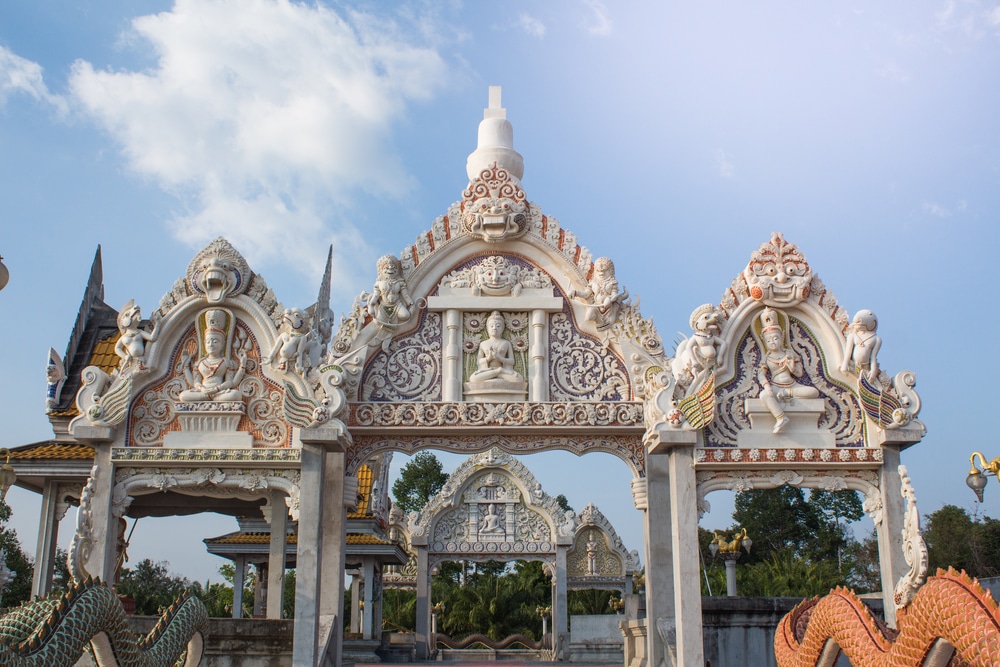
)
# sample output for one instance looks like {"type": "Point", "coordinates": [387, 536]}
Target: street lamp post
{"type": "Point", "coordinates": [977, 478]}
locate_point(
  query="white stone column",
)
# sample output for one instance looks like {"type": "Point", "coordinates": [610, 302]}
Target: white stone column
{"type": "Point", "coordinates": [356, 593]}
{"type": "Point", "coordinates": [687, 585]}
{"type": "Point", "coordinates": [316, 587]}
{"type": "Point", "coordinates": [425, 643]}
{"type": "Point", "coordinates": [260, 590]}
{"type": "Point", "coordinates": [368, 632]}
{"type": "Point", "coordinates": [889, 531]}
{"type": "Point", "coordinates": [730, 577]}
{"type": "Point", "coordinates": [334, 552]}
{"type": "Point", "coordinates": [538, 373]}
{"type": "Point", "coordinates": [239, 581]}
{"type": "Point", "coordinates": [310, 547]}
{"type": "Point", "coordinates": [276, 555]}
{"type": "Point", "coordinates": [451, 381]}
{"type": "Point", "coordinates": [560, 608]}
{"type": "Point", "coordinates": [48, 536]}
{"type": "Point", "coordinates": [658, 556]}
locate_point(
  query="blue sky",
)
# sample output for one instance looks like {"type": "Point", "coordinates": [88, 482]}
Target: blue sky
{"type": "Point", "coordinates": [672, 137]}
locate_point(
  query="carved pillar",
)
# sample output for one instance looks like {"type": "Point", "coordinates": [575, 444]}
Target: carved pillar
{"type": "Point", "coordinates": [368, 632]}
{"type": "Point", "coordinates": [687, 586]}
{"type": "Point", "coordinates": [451, 381]}
{"type": "Point", "coordinates": [239, 581]}
{"type": "Point", "coordinates": [890, 530]}
{"type": "Point", "coordinates": [103, 523]}
{"type": "Point", "coordinates": [309, 551]}
{"type": "Point", "coordinates": [560, 609]}
{"type": "Point", "coordinates": [276, 555]}
{"type": "Point", "coordinates": [48, 536]}
{"type": "Point", "coordinates": [673, 590]}
{"type": "Point", "coordinates": [425, 643]}
{"type": "Point", "coordinates": [659, 554]}
{"type": "Point", "coordinates": [334, 554]}
{"type": "Point", "coordinates": [538, 374]}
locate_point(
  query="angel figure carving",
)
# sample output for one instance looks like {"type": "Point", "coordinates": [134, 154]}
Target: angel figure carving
{"type": "Point", "coordinates": [131, 345]}
{"type": "Point", "coordinates": [862, 345]}
{"type": "Point", "coordinates": [390, 303]}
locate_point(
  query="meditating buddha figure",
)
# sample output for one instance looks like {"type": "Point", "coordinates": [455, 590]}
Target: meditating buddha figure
{"type": "Point", "coordinates": [495, 360]}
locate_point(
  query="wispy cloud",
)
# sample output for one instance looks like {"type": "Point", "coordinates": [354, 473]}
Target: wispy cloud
{"type": "Point", "coordinates": [266, 119]}
{"type": "Point", "coordinates": [21, 76]}
{"type": "Point", "coordinates": [726, 167]}
{"type": "Point", "coordinates": [993, 16]}
{"type": "Point", "coordinates": [938, 211]}
{"type": "Point", "coordinates": [531, 25]}
{"type": "Point", "coordinates": [894, 72]}
{"type": "Point", "coordinates": [597, 21]}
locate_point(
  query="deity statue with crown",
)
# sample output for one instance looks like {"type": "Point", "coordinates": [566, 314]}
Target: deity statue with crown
{"type": "Point", "coordinates": [217, 375]}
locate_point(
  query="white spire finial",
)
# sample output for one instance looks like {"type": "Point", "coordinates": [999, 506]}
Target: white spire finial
{"type": "Point", "coordinates": [496, 142]}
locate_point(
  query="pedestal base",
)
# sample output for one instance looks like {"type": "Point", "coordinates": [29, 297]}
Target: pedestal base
{"type": "Point", "coordinates": [496, 391]}
{"type": "Point", "coordinates": [802, 429]}
{"type": "Point", "coordinates": [209, 425]}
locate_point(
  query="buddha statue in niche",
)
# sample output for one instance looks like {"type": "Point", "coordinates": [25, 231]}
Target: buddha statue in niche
{"type": "Point", "coordinates": [495, 359]}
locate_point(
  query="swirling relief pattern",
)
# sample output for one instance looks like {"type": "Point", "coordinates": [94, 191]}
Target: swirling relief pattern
{"type": "Point", "coordinates": [843, 416]}
{"type": "Point", "coordinates": [411, 370]}
{"type": "Point", "coordinates": [580, 368]}
{"type": "Point", "coordinates": [153, 414]}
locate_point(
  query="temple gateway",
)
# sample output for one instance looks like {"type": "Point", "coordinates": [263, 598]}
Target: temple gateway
{"type": "Point", "coordinates": [494, 334]}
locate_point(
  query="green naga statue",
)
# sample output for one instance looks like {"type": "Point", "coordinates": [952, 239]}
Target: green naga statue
{"type": "Point", "coordinates": [55, 632]}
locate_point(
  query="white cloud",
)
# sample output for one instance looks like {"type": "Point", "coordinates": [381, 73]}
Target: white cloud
{"type": "Point", "coordinates": [19, 75]}
{"type": "Point", "coordinates": [726, 168]}
{"type": "Point", "coordinates": [598, 22]}
{"type": "Point", "coordinates": [993, 16]}
{"type": "Point", "coordinates": [938, 211]}
{"type": "Point", "coordinates": [894, 72]}
{"type": "Point", "coordinates": [531, 25]}
{"type": "Point", "coordinates": [266, 118]}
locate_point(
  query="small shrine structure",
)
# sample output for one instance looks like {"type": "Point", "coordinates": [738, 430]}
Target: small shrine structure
{"type": "Point", "coordinates": [493, 331]}
{"type": "Point", "coordinates": [493, 509]}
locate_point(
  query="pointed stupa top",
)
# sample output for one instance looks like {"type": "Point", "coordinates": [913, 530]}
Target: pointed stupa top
{"type": "Point", "coordinates": [496, 142]}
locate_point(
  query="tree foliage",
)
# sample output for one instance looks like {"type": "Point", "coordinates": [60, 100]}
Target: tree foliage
{"type": "Point", "coordinates": [418, 482]}
{"type": "Point", "coordinates": [19, 589]}
{"type": "Point", "coordinates": [964, 542]}
{"type": "Point", "coordinates": [801, 545]}
{"type": "Point", "coordinates": [151, 585]}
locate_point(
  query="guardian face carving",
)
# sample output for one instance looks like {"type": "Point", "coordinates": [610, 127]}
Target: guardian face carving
{"type": "Point", "coordinates": [778, 274]}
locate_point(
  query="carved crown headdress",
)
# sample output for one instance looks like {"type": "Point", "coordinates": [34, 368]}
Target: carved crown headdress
{"type": "Point", "coordinates": [769, 322]}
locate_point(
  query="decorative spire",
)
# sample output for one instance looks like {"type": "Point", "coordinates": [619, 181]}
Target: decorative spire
{"type": "Point", "coordinates": [496, 142]}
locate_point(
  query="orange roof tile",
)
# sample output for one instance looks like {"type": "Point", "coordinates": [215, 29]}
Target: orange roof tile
{"type": "Point", "coordinates": [55, 450]}
{"type": "Point", "coordinates": [365, 539]}
{"type": "Point", "coordinates": [104, 356]}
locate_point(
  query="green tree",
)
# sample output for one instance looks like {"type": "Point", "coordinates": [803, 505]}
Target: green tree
{"type": "Point", "coordinates": [966, 543]}
{"type": "Point", "coordinates": [151, 586]}
{"type": "Point", "coordinates": [418, 482]}
{"type": "Point", "coordinates": [776, 520]}
{"type": "Point", "coordinates": [834, 512]}
{"type": "Point", "coordinates": [786, 574]}
{"type": "Point", "coordinates": [19, 589]}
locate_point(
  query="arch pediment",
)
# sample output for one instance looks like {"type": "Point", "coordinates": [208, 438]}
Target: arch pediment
{"type": "Point", "coordinates": [491, 508]}
{"type": "Point", "coordinates": [572, 333]}
{"type": "Point", "coordinates": [220, 364]}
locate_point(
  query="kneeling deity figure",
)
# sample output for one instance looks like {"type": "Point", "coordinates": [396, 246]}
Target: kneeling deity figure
{"type": "Point", "coordinates": [779, 369]}
{"type": "Point", "coordinates": [495, 360]}
{"type": "Point", "coordinates": [216, 376]}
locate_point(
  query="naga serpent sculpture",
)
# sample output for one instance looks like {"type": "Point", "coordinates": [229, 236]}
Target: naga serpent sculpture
{"type": "Point", "coordinates": [951, 621]}
{"type": "Point", "coordinates": [55, 632]}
